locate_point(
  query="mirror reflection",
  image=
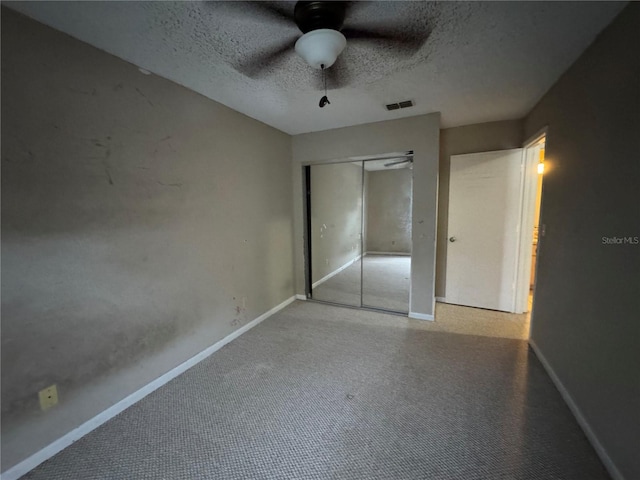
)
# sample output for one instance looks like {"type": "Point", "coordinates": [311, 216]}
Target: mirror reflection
{"type": "Point", "coordinates": [386, 266]}
{"type": "Point", "coordinates": [360, 232]}
{"type": "Point", "coordinates": [336, 227]}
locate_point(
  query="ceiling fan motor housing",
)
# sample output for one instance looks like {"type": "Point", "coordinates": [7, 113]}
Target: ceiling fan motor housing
{"type": "Point", "coordinates": [317, 15]}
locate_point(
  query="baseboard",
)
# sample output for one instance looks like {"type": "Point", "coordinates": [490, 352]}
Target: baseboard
{"type": "Point", "coordinates": [399, 254]}
{"type": "Point", "coordinates": [74, 435]}
{"type": "Point", "coordinates": [300, 297]}
{"type": "Point", "coordinates": [577, 413]}
{"type": "Point", "coordinates": [441, 299]}
{"type": "Point", "coordinates": [421, 316]}
{"type": "Point", "coordinates": [335, 272]}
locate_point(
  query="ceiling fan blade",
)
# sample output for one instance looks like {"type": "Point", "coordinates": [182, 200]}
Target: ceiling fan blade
{"type": "Point", "coordinates": [354, 7]}
{"type": "Point", "coordinates": [406, 43]}
{"type": "Point", "coordinates": [338, 75]}
{"type": "Point", "coordinates": [398, 162]}
{"type": "Point", "coordinates": [257, 65]}
{"type": "Point", "coordinates": [267, 12]}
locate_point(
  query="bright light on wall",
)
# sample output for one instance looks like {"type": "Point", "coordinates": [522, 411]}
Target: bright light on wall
{"type": "Point", "coordinates": [540, 168]}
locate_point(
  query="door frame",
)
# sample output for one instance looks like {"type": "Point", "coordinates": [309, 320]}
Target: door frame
{"type": "Point", "coordinates": [529, 186]}
{"type": "Point", "coordinates": [307, 248]}
{"type": "Point", "coordinates": [527, 198]}
{"type": "Point", "coordinates": [306, 183]}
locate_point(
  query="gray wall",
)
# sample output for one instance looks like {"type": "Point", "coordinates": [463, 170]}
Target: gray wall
{"type": "Point", "coordinates": [421, 134]}
{"type": "Point", "coordinates": [482, 137]}
{"type": "Point", "coordinates": [587, 301]}
{"type": "Point", "coordinates": [336, 216]}
{"type": "Point", "coordinates": [141, 223]}
{"type": "Point", "coordinates": [389, 211]}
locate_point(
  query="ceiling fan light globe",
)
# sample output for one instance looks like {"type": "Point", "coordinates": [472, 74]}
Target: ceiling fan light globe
{"type": "Point", "coordinates": [321, 47]}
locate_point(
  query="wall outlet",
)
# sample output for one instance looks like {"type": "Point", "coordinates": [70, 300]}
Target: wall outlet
{"type": "Point", "coordinates": [48, 397]}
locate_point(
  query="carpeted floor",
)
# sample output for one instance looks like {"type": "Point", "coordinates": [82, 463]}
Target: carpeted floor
{"type": "Point", "coordinates": [385, 284]}
{"type": "Point", "coordinates": [312, 393]}
{"type": "Point", "coordinates": [478, 321]}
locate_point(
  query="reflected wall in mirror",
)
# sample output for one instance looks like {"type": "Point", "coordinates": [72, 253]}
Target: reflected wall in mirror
{"type": "Point", "coordinates": [355, 207]}
{"type": "Point", "coordinates": [386, 268]}
{"type": "Point", "coordinates": [335, 205]}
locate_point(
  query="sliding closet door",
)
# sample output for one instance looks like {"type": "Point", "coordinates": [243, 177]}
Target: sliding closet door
{"type": "Point", "coordinates": [386, 267]}
{"type": "Point", "coordinates": [335, 230]}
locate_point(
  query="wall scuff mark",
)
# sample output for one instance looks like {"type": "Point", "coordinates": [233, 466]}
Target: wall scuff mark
{"type": "Point", "coordinates": [144, 96]}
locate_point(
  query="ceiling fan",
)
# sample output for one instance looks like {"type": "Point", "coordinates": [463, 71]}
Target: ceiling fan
{"type": "Point", "coordinates": [326, 30]}
{"type": "Point", "coordinates": [408, 159]}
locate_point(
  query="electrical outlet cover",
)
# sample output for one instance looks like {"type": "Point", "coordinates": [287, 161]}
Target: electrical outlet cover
{"type": "Point", "coordinates": [48, 397]}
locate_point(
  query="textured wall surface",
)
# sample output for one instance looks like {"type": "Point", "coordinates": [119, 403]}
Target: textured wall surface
{"type": "Point", "coordinates": [483, 137]}
{"type": "Point", "coordinates": [587, 304]}
{"type": "Point", "coordinates": [336, 216]}
{"type": "Point", "coordinates": [420, 134]}
{"type": "Point", "coordinates": [389, 211]}
{"type": "Point", "coordinates": [141, 222]}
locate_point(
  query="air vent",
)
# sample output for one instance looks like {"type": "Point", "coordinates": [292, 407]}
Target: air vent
{"type": "Point", "coordinates": [396, 106]}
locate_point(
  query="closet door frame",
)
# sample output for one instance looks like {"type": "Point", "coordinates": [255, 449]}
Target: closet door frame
{"type": "Point", "coordinates": [308, 242]}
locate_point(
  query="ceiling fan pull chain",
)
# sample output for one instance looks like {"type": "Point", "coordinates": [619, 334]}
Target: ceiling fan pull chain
{"type": "Point", "coordinates": [324, 100]}
{"type": "Point", "coordinates": [324, 80]}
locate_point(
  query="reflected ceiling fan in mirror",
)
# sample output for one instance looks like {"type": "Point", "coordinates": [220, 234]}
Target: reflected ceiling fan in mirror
{"type": "Point", "coordinates": [406, 159]}
{"type": "Point", "coordinates": [326, 32]}
{"type": "Point", "coordinates": [399, 162]}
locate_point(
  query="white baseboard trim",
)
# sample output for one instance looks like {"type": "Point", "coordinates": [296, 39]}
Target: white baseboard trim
{"type": "Point", "coordinates": [577, 413]}
{"type": "Point", "coordinates": [337, 271]}
{"type": "Point", "coordinates": [76, 434]}
{"type": "Point", "coordinates": [300, 297]}
{"type": "Point", "coordinates": [421, 316]}
{"type": "Point", "coordinates": [441, 299]}
{"type": "Point", "coordinates": [399, 254]}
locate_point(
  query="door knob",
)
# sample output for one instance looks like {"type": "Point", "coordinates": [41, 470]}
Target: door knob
{"type": "Point", "coordinates": [452, 239]}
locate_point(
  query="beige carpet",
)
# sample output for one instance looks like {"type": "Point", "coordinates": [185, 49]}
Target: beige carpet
{"type": "Point", "coordinates": [477, 321]}
{"type": "Point", "coordinates": [325, 393]}
{"type": "Point", "coordinates": [386, 286]}
{"type": "Point", "coordinates": [450, 319]}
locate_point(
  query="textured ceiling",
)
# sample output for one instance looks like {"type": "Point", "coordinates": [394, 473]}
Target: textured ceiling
{"type": "Point", "coordinates": [483, 61]}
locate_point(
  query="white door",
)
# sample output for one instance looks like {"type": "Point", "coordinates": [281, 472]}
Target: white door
{"type": "Point", "coordinates": [484, 215]}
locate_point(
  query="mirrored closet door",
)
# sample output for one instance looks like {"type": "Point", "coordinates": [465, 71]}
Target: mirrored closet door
{"type": "Point", "coordinates": [359, 232]}
{"type": "Point", "coordinates": [335, 203]}
{"type": "Point", "coordinates": [386, 263]}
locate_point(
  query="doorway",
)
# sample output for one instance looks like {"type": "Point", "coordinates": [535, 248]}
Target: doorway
{"type": "Point", "coordinates": [484, 214]}
{"type": "Point", "coordinates": [494, 205]}
{"type": "Point", "coordinates": [532, 230]}
{"type": "Point", "coordinates": [359, 226]}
